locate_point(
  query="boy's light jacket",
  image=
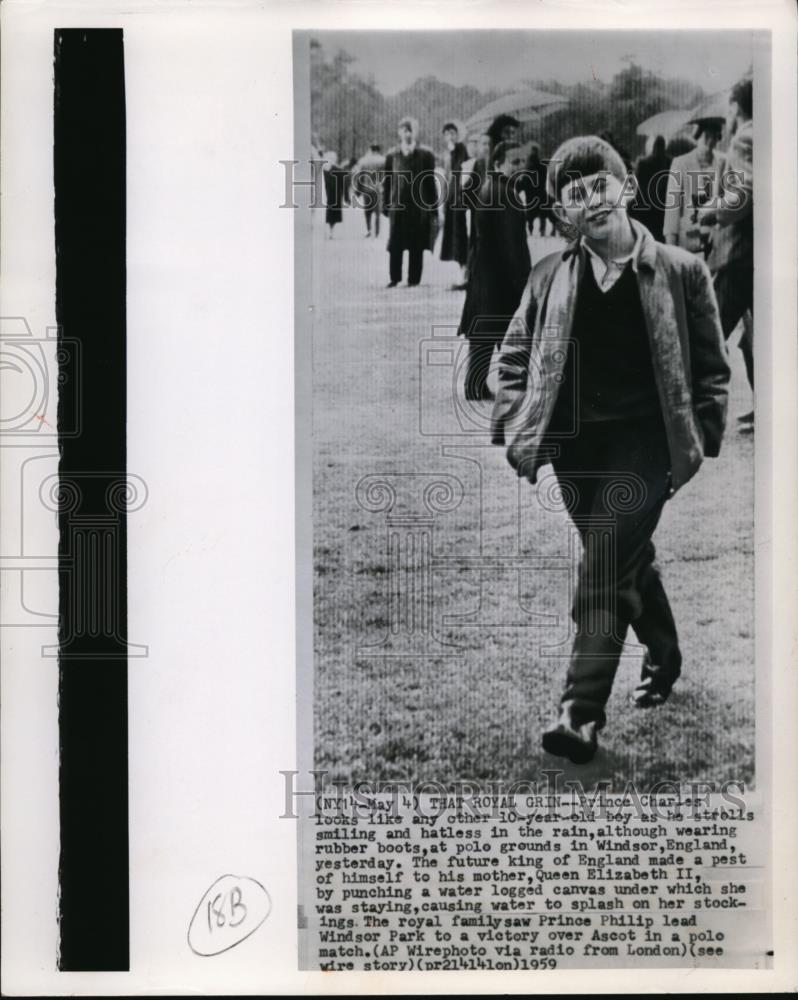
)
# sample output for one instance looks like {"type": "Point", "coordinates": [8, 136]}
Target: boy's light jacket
{"type": "Point", "coordinates": [687, 350]}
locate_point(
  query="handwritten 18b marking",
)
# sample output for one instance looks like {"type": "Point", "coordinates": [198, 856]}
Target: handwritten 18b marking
{"type": "Point", "coordinates": [230, 911]}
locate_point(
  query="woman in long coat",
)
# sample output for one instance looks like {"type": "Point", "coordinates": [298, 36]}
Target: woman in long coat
{"type": "Point", "coordinates": [334, 191]}
{"type": "Point", "coordinates": [499, 269]}
{"type": "Point", "coordinates": [454, 245]}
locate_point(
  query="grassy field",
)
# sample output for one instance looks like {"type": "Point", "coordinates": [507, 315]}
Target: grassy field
{"type": "Point", "coordinates": [470, 697]}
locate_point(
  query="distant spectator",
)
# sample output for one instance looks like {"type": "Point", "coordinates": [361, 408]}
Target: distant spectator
{"type": "Point", "coordinates": [693, 182]}
{"type": "Point", "coordinates": [410, 198]}
{"type": "Point", "coordinates": [334, 191]}
{"type": "Point", "coordinates": [367, 186]}
{"type": "Point", "coordinates": [534, 188]}
{"type": "Point", "coordinates": [499, 268]}
{"type": "Point", "coordinates": [503, 128]}
{"type": "Point", "coordinates": [732, 259]}
{"type": "Point", "coordinates": [454, 245]}
{"type": "Point", "coordinates": [608, 137]}
{"type": "Point", "coordinates": [472, 144]}
{"type": "Point", "coordinates": [474, 173]}
{"type": "Point", "coordinates": [651, 174]}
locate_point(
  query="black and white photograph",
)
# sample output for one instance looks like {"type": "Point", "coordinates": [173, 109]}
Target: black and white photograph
{"type": "Point", "coordinates": [533, 404]}
{"type": "Point", "coordinates": [530, 434]}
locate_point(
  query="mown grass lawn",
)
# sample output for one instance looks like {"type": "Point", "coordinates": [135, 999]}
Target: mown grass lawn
{"type": "Point", "coordinates": [498, 557]}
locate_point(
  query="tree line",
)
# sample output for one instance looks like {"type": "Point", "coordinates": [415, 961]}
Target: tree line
{"type": "Point", "coordinates": [348, 111]}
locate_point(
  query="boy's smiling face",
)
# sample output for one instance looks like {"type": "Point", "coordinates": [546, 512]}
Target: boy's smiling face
{"type": "Point", "coordinates": [595, 205]}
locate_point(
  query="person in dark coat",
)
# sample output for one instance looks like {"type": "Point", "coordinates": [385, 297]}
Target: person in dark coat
{"type": "Point", "coordinates": [608, 137]}
{"type": "Point", "coordinates": [474, 173]}
{"type": "Point", "coordinates": [334, 191]}
{"type": "Point", "coordinates": [534, 187]}
{"type": "Point", "coordinates": [503, 128]}
{"type": "Point", "coordinates": [410, 200]}
{"type": "Point", "coordinates": [651, 174]}
{"type": "Point", "coordinates": [454, 245]}
{"type": "Point", "coordinates": [367, 185]}
{"type": "Point", "coordinates": [500, 267]}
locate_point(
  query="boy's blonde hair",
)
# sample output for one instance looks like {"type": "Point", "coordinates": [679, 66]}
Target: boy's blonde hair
{"type": "Point", "coordinates": [580, 157]}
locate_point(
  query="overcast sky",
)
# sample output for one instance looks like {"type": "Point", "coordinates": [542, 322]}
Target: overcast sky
{"type": "Point", "coordinates": [486, 59]}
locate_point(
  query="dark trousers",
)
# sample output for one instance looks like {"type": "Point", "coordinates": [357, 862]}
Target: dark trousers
{"type": "Point", "coordinates": [414, 267]}
{"type": "Point", "coordinates": [481, 346]}
{"type": "Point", "coordinates": [544, 214]}
{"type": "Point", "coordinates": [734, 289]}
{"type": "Point", "coordinates": [376, 213]}
{"type": "Point", "coordinates": [615, 478]}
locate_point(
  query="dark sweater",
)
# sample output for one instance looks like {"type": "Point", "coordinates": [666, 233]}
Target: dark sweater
{"type": "Point", "coordinates": [614, 376]}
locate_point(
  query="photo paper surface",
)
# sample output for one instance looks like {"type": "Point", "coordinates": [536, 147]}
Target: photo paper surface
{"type": "Point", "coordinates": [397, 561]}
{"type": "Point", "coordinates": [522, 745]}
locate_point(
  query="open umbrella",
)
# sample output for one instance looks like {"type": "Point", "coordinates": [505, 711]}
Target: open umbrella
{"type": "Point", "coordinates": [666, 123]}
{"type": "Point", "coordinates": [714, 106]}
{"type": "Point", "coordinates": [525, 105]}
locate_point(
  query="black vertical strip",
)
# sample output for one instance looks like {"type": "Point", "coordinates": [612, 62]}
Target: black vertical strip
{"type": "Point", "coordinates": [89, 155]}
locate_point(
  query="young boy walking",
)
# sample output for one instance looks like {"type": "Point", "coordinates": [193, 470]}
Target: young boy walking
{"type": "Point", "coordinates": [619, 343]}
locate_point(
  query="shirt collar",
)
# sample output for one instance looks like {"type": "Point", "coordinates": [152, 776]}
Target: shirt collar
{"type": "Point", "coordinates": [621, 262]}
{"type": "Point", "coordinates": [644, 251]}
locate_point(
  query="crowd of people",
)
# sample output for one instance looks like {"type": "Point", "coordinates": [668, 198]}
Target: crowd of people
{"type": "Point", "coordinates": [628, 326]}
{"type": "Point", "coordinates": [681, 200]}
